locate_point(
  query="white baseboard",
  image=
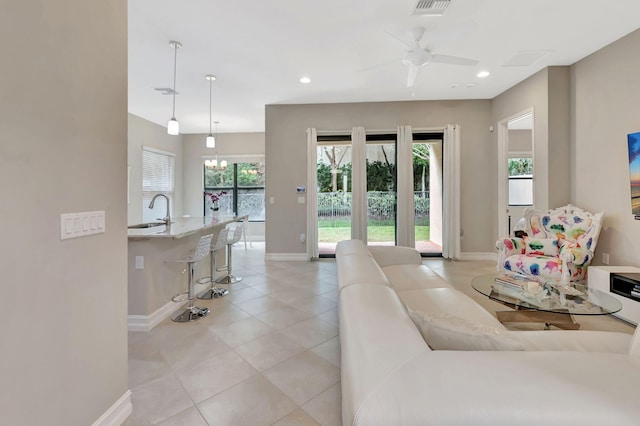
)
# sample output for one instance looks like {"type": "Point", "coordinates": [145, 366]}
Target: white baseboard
{"type": "Point", "coordinates": [479, 256]}
{"type": "Point", "coordinates": [147, 322]}
{"type": "Point", "coordinates": [117, 413]}
{"type": "Point", "coordinates": [285, 257]}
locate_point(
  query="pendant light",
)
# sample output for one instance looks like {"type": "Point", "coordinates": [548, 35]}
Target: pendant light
{"type": "Point", "coordinates": [211, 140]}
{"type": "Point", "coordinates": [173, 127]}
{"type": "Point", "coordinates": [223, 163]}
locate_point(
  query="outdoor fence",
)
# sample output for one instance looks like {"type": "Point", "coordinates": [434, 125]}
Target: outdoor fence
{"type": "Point", "coordinates": [334, 208]}
{"type": "Point", "coordinates": [250, 203]}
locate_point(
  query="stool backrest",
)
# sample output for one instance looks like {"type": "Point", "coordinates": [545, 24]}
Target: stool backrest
{"type": "Point", "coordinates": [202, 249]}
{"type": "Point", "coordinates": [237, 234]}
{"type": "Point", "coordinates": [221, 241]}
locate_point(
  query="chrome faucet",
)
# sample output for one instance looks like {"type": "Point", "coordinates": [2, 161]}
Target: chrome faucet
{"type": "Point", "coordinates": [167, 219]}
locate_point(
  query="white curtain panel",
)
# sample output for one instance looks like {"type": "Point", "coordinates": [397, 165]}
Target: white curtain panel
{"type": "Point", "coordinates": [312, 194]}
{"type": "Point", "coordinates": [405, 208]}
{"type": "Point", "coordinates": [358, 185]}
{"type": "Point", "coordinates": [451, 201]}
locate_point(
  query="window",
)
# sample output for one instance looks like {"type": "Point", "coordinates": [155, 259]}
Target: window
{"type": "Point", "coordinates": [157, 178]}
{"type": "Point", "coordinates": [521, 181]}
{"type": "Point", "coordinates": [243, 183]}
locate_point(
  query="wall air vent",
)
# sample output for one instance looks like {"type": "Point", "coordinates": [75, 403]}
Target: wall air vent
{"type": "Point", "coordinates": [431, 7]}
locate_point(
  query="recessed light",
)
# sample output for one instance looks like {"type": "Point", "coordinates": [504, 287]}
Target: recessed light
{"type": "Point", "coordinates": [483, 74]}
{"type": "Point", "coordinates": [305, 80]}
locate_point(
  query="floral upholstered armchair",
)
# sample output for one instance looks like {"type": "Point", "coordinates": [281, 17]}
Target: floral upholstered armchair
{"type": "Point", "coordinates": [559, 245]}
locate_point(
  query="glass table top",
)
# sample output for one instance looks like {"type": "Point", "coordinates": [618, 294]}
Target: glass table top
{"type": "Point", "coordinates": [549, 297]}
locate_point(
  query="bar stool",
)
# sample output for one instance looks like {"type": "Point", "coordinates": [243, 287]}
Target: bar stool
{"type": "Point", "coordinates": [191, 312]}
{"type": "Point", "coordinates": [234, 238]}
{"type": "Point", "coordinates": [245, 227]}
{"type": "Point", "coordinates": [214, 292]}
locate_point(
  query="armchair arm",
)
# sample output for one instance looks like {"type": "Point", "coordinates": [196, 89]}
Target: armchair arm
{"type": "Point", "coordinates": [507, 247]}
{"type": "Point", "coordinates": [573, 253]}
{"type": "Point", "coordinates": [573, 259]}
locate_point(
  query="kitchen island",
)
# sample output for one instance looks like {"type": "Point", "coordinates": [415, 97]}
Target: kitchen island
{"type": "Point", "coordinates": [154, 275]}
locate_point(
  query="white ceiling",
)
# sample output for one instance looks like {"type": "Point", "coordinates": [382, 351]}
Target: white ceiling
{"type": "Point", "coordinates": [258, 50]}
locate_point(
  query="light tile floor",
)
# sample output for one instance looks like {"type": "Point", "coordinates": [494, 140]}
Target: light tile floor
{"type": "Point", "coordinates": [268, 353]}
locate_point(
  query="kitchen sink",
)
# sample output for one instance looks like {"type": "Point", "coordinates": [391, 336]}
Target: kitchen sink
{"type": "Point", "coordinates": [146, 225]}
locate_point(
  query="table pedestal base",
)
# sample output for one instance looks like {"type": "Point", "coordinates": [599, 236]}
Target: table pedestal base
{"type": "Point", "coordinates": [563, 321]}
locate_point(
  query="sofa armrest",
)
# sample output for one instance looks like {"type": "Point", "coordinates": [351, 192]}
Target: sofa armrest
{"type": "Point", "coordinates": [395, 255]}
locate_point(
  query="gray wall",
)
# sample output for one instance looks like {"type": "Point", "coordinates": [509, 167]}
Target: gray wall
{"type": "Point", "coordinates": [605, 94]}
{"type": "Point", "coordinates": [547, 92]}
{"type": "Point", "coordinates": [141, 133]}
{"type": "Point", "coordinates": [520, 140]}
{"type": "Point", "coordinates": [63, 115]}
{"type": "Point", "coordinates": [286, 166]}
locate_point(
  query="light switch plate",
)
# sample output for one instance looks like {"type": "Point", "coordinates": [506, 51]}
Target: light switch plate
{"type": "Point", "coordinates": [74, 225]}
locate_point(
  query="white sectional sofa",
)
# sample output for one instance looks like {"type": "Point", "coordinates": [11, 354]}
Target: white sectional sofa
{"type": "Point", "coordinates": [391, 376]}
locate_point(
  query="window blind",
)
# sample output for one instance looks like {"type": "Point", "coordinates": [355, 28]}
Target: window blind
{"type": "Point", "coordinates": [158, 168]}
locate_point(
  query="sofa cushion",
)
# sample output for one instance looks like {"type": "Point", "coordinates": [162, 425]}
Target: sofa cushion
{"type": "Point", "coordinates": [395, 255]}
{"type": "Point", "coordinates": [413, 277]}
{"type": "Point", "coordinates": [541, 246]}
{"type": "Point", "coordinates": [448, 301]}
{"type": "Point", "coordinates": [442, 331]}
{"type": "Point", "coordinates": [544, 267]}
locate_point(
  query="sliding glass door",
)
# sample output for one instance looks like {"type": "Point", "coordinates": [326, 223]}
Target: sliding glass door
{"type": "Point", "coordinates": [381, 189]}
{"type": "Point", "coordinates": [427, 195]}
{"type": "Point", "coordinates": [334, 194]}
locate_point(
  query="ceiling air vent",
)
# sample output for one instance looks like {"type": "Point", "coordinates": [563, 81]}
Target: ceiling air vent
{"type": "Point", "coordinates": [165, 90]}
{"type": "Point", "coordinates": [525, 58]}
{"type": "Point", "coordinates": [431, 7]}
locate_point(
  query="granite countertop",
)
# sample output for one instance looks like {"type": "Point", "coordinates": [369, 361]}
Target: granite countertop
{"type": "Point", "coordinates": [179, 228]}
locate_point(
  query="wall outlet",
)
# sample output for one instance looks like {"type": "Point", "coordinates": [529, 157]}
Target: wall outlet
{"type": "Point", "coordinates": [605, 258]}
{"type": "Point", "coordinates": [302, 238]}
{"type": "Point", "coordinates": [139, 262]}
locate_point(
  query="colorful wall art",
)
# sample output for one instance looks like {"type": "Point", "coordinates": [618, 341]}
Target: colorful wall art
{"type": "Point", "coordinates": [633, 140]}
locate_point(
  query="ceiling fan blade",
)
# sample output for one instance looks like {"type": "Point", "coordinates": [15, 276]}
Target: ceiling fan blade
{"type": "Point", "coordinates": [404, 43]}
{"type": "Point", "coordinates": [413, 73]}
{"type": "Point", "coordinates": [453, 60]}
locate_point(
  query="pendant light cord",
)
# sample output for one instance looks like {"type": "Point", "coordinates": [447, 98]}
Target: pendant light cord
{"type": "Point", "coordinates": [210, 105]}
{"type": "Point", "coordinates": [175, 61]}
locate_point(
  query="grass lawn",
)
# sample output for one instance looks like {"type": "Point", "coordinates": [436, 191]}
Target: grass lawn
{"type": "Point", "coordinates": [375, 233]}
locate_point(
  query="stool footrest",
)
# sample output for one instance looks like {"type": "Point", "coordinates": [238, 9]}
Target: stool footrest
{"type": "Point", "coordinates": [204, 280]}
{"type": "Point", "coordinates": [229, 279]}
{"type": "Point", "coordinates": [181, 297]}
{"type": "Point", "coordinates": [213, 293]}
{"type": "Point", "coordinates": [192, 313]}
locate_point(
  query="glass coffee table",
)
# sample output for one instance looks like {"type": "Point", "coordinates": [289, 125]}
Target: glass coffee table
{"type": "Point", "coordinates": [551, 303]}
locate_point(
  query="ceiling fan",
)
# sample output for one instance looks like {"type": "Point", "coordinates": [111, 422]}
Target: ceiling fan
{"type": "Point", "coordinates": [418, 56]}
